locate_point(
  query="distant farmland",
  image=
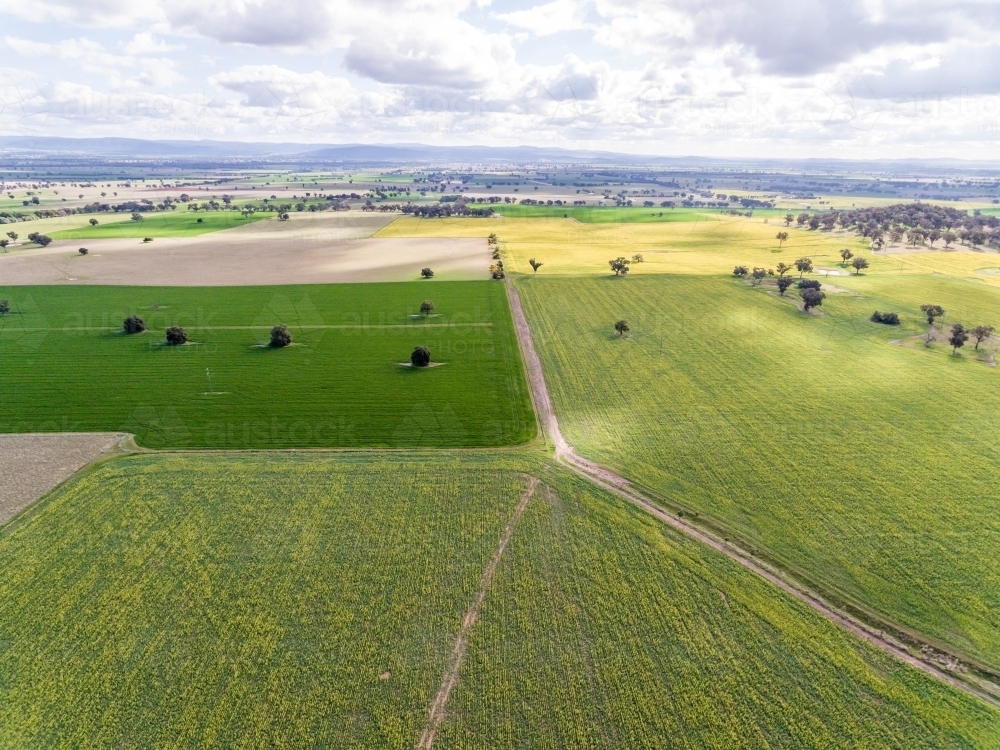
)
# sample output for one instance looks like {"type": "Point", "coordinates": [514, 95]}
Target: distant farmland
{"type": "Point", "coordinates": [184, 224]}
{"type": "Point", "coordinates": [67, 366]}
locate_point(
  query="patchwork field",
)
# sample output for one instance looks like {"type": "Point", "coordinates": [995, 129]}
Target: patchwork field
{"type": "Point", "coordinates": [604, 214]}
{"type": "Point", "coordinates": [68, 367]}
{"type": "Point", "coordinates": [869, 466]}
{"type": "Point", "coordinates": [311, 600]}
{"type": "Point", "coordinates": [178, 224]}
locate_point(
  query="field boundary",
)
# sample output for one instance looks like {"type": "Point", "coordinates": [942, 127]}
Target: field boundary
{"type": "Point", "coordinates": [436, 714]}
{"type": "Point", "coordinates": [982, 682]}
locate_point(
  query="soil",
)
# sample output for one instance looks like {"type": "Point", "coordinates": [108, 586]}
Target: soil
{"type": "Point", "coordinates": [308, 250]}
{"type": "Point", "coordinates": [32, 465]}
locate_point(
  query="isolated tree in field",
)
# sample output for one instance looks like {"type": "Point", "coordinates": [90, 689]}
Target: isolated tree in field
{"type": "Point", "coordinates": [426, 273]}
{"type": "Point", "coordinates": [3, 244]}
{"type": "Point", "coordinates": [783, 283]}
{"type": "Point", "coordinates": [535, 265]}
{"type": "Point", "coordinates": [280, 337]}
{"type": "Point", "coordinates": [981, 333]}
{"type": "Point", "coordinates": [789, 218]}
{"type": "Point", "coordinates": [958, 337]}
{"type": "Point", "coordinates": [781, 237]}
{"type": "Point", "coordinates": [621, 327]}
{"type": "Point", "coordinates": [13, 236]}
{"type": "Point", "coordinates": [133, 324]}
{"type": "Point", "coordinates": [4, 307]}
{"type": "Point", "coordinates": [757, 276]}
{"type": "Point", "coordinates": [783, 268]}
{"type": "Point", "coordinates": [619, 265]}
{"type": "Point", "coordinates": [932, 312]}
{"type": "Point", "coordinates": [420, 357]}
{"type": "Point", "coordinates": [889, 318]}
{"type": "Point", "coordinates": [637, 258]}
{"type": "Point", "coordinates": [42, 239]}
{"type": "Point", "coordinates": [136, 216]}
{"type": "Point", "coordinates": [176, 336]}
{"type": "Point", "coordinates": [93, 222]}
{"type": "Point", "coordinates": [859, 265]}
{"type": "Point", "coordinates": [846, 255]}
{"type": "Point", "coordinates": [740, 271]}
{"type": "Point", "coordinates": [425, 307]}
{"type": "Point", "coordinates": [83, 251]}
{"type": "Point", "coordinates": [802, 265]}
{"type": "Point", "coordinates": [811, 298]}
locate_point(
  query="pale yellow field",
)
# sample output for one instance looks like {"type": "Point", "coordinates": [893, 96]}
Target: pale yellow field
{"type": "Point", "coordinates": [712, 246]}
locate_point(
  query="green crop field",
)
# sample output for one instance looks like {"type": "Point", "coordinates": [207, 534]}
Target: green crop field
{"type": "Point", "coordinates": [870, 466]}
{"type": "Point", "coordinates": [292, 600]}
{"type": "Point", "coordinates": [179, 224]}
{"type": "Point", "coordinates": [67, 366]}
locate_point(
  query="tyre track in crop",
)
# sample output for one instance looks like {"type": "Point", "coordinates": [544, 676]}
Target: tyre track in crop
{"type": "Point", "coordinates": [436, 714]}
{"type": "Point", "coordinates": [985, 689]}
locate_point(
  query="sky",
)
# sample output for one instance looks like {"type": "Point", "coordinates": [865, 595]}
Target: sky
{"type": "Point", "coordinates": [783, 78]}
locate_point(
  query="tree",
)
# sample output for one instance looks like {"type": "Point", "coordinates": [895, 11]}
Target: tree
{"type": "Point", "coordinates": [136, 216]}
{"type": "Point", "coordinates": [783, 268]}
{"type": "Point", "coordinates": [621, 327]}
{"type": "Point", "coordinates": [812, 298]}
{"type": "Point", "coordinates": [4, 307]}
{"type": "Point", "coordinates": [781, 237]}
{"type": "Point", "coordinates": [789, 218]}
{"type": "Point", "coordinates": [932, 312]}
{"type": "Point", "coordinates": [958, 337]}
{"type": "Point", "coordinates": [535, 265]}
{"type": "Point", "coordinates": [280, 337]}
{"type": "Point", "coordinates": [783, 283]}
{"type": "Point", "coordinates": [846, 255]}
{"type": "Point", "coordinates": [803, 265]}
{"type": "Point", "coordinates": [133, 324]}
{"type": "Point", "coordinates": [13, 236]}
{"type": "Point", "coordinates": [949, 237]}
{"type": "Point", "coordinates": [176, 336]}
{"type": "Point", "coordinates": [426, 273]}
{"type": "Point", "coordinates": [43, 239]}
{"type": "Point", "coordinates": [420, 357]}
{"type": "Point", "coordinates": [802, 219]}
{"type": "Point", "coordinates": [859, 265]}
{"type": "Point", "coordinates": [83, 251]}
{"type": "Point", "coordinates": [93, 222]}
{"type": "Point", "coordinates": [814, 222]}
{"type": "Point", "coordinates": [757, 276]}
{"type": "Point", "coordinates": [637, 258]}
{"type": "Point", "coordinates": [425, 307]}
{"type": "Point", "coordinates": [3, 244]}
{"type": "Point", "coordinates": [981, 333]}
{"type": "Point", "coordinates": [889, 318]}
{"type": "Point", "coordinates": [619, 265]}
{"type": "Point", "coordinates": [809, 284]}
{"type": "Point", "coordinates": [740, 271]}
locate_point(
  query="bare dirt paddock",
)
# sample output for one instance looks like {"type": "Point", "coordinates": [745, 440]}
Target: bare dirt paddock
{"type": "Point", "coordinates": [32, 465]}
{"type": "Point", "coordinates": [312, 249]}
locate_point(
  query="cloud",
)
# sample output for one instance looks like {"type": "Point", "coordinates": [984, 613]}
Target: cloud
{"type": "Point", "coordinates": [450, 55]}
{"type": "Point", "coordinates": [551, 18]}
{"type": "Point", "coordinates": [144, 43]}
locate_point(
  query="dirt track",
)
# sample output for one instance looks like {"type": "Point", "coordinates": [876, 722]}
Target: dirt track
{"type": "Point", "coordinates": [622, 487]}
{"type": "Point", "coordinates": [321, 249]}
{"type": "Point", "coordinates": [33, 465]}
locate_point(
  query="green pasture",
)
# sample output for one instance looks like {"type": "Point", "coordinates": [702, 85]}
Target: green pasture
{"type": "Point", "coordinates": [868, 465]}
{"type": "Point", "coordinates": [68, 367]}
{"type": "Point", "coordinates": [306, 600]}
{"type": "Point", "coordinates": [174, 224]}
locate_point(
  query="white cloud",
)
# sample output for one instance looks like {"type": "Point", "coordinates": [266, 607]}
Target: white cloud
{"type": "Point", "coordinates": [144, 43]}
{"type": "Point", "coordinates": [551, 18]}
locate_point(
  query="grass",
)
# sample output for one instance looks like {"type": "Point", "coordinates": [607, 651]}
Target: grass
{"type": "Point", "coordinates": [258, 600]}
{"type": "Point", "coordinates": [68, 367]}
{"type": "Point", "coordinates": [180, 224]}
{"type": "Point", "coordinates": [869, 466]}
